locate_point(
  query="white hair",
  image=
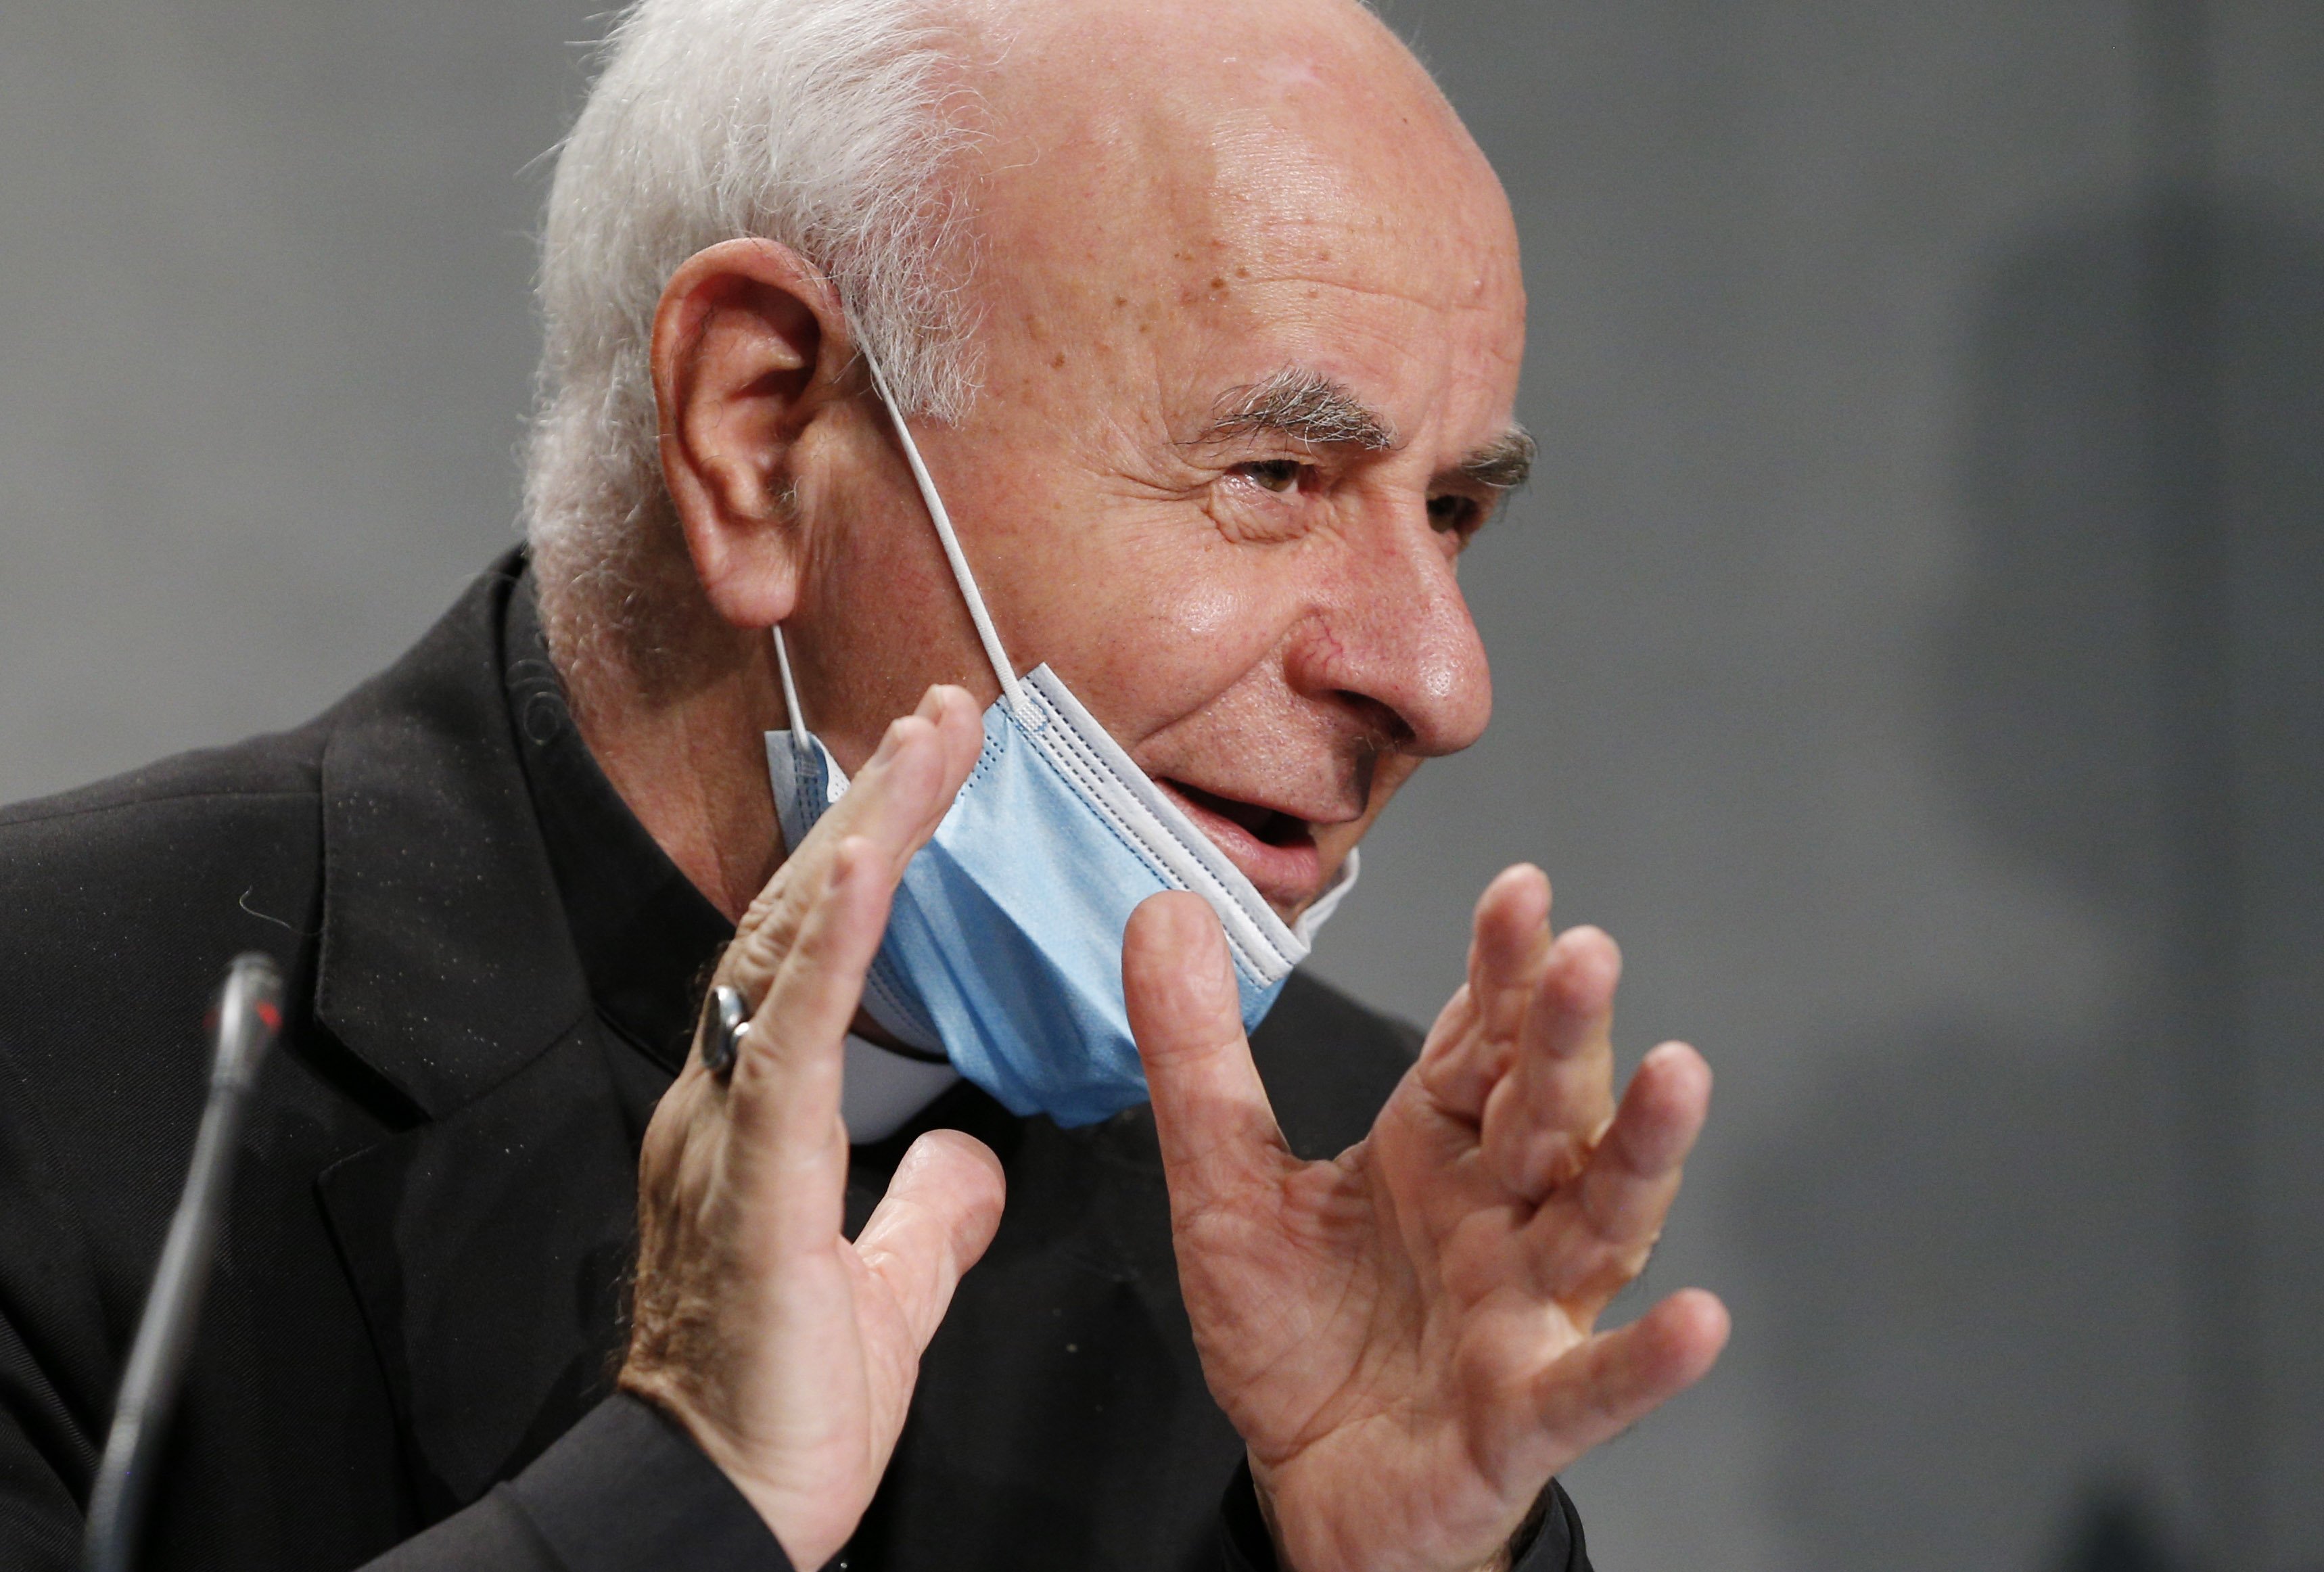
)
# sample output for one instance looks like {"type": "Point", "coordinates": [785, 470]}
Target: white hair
{"type": "Point", "coordinates": [826, 125]}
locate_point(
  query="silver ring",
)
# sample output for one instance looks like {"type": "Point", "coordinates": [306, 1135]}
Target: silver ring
{"type": "Point", "coordinates": [725, 1018]}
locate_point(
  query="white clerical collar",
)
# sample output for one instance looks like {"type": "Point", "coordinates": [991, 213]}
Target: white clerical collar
{"type": "Point", "coordinates": [883, 1089]}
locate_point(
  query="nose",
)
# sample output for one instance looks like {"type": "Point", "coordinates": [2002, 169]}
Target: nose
{"type": "Point", "coordinates": [1394, 640]}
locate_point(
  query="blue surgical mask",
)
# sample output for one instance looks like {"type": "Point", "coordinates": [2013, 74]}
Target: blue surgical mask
{"type": "Point", "coordinates": [1003, 949]}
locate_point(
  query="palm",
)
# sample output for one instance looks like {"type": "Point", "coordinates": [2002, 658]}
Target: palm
{"type": "Point", "coordinates": [1404, 1336]}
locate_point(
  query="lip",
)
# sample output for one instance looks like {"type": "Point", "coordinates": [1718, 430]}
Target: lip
{"type": "Point", "coordinates": [1288, 871]}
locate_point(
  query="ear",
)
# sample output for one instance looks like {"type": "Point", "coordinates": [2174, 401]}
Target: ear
{"type": "Point", "coordinates": [749, 346]}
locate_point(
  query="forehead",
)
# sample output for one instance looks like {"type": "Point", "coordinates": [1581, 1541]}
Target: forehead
{"type": "Point", "coordinates": [1285, 190]}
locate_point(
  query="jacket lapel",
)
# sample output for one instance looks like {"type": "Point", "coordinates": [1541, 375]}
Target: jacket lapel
{"type": "Point", "coordinates": [445, 963]}
{"type": "Point", "coordinates": [487, 1242]}
{"type": "Point", "coordinates": [489, 1248]}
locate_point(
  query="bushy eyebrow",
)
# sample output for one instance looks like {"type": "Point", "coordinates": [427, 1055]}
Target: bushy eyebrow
{"type": "Point", "coordinates": [1504, 463]}
{"type": "Point", "coordinates": [1305, 406]}
{"type": "Point", "coordinates": [1320, 411]}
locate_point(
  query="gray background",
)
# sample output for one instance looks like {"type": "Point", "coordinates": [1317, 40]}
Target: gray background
{"type": "Point", "coordinates": [1912, 650]}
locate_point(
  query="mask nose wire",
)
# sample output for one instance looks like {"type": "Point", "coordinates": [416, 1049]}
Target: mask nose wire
{"type": "Point", "coordinates": [1009, 687]}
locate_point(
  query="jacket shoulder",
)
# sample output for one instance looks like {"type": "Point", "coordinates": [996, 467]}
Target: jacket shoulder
{"type": "Point", "coordinates": [278, 764]}
{"type": "Point", "coordinates": [188, 857]}
{"type": "Point", "coordinates": [1329, 1063]}
{"type": "Point", "coordinates": [286, 764]}
{"type": "Point", "coordinates": [135, 892]}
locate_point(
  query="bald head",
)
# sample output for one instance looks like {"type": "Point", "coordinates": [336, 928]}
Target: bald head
{"type": "Point", "coordinates": [1250, 121]}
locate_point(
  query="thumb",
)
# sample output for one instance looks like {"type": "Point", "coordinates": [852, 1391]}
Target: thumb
{"type": "Point", "coordinates": [1220, 1141]}
{"type": "Point", "coordinates": [941, 1210]}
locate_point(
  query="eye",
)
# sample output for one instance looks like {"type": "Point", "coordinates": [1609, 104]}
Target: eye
{"type": "Point", "coordinates": [1453, 513]}
{"type": "Point", "coordinates": [1275, 474]}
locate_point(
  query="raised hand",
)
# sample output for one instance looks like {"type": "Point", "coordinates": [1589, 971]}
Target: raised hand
{"type": "Point", "coordinates": [787, 1352]}
{"type": "Point", "coordinates": [1405, 1336]}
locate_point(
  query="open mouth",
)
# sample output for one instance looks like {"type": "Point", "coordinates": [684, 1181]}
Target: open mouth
{"type": "Point", "coordinates": [1268, 825]}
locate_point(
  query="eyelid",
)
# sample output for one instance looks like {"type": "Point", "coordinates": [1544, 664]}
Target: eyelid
{"type": "Point", "coordinates": [1274, 453]}
{"type": "Point", "coordinates": [1242, 466]}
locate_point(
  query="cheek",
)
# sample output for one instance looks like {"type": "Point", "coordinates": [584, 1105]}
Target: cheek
{"type": "Point", "coordinates": [1163, 627]}
{"type": "Point", "coordinates": [879, 621]}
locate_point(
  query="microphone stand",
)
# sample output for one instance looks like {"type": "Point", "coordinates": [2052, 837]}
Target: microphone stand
{"type": "Point", "coordinates": [249, 1015]}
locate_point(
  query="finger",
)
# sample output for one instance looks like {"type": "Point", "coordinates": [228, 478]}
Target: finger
{"type": "Point", "coordinates": [927, 755]}
{"type": "Point", "coordinates": [940, 1212]}
{"type": "Point", "coordinates": [1615, 1379]}
{"type": "Point", "coordinates": [1472, 1044]}
{"type": "Point", "coordinates": [1587, 1249]}
{"type": "Point", "coordinates": [1221, 1145]}
{"type": "Point", "coordinates": [1541, 1118]}
{"type": "Point", "coordinates": [784, 1095]}
{"type": "Point", "coordinates": [896, 802]}
{"type": "Point", "coordinates": [1632, 1176]}
{"type": "Point", "coordinates": [902, 791]}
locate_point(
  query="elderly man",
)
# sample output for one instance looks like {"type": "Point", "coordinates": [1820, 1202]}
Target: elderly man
{"type": "Point", "coordinates": [994, 514]}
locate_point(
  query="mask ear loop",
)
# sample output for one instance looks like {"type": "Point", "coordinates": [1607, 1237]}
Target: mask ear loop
{"type": "Point", "coordinates": [790, 692]}
{"type": "Point", "coordinates": [1010, 687]}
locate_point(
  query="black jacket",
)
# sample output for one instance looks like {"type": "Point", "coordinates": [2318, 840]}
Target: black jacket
{"type": "Point", "coordinates": [420, 1285]}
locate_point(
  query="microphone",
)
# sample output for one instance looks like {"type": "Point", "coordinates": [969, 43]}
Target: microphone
{"type": "Point", "coordinates": [249, 1015]}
